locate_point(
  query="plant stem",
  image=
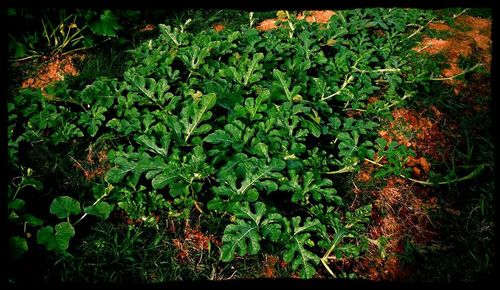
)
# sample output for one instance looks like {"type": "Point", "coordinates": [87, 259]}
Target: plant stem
{"type": "Point", "coordinates": [396, 102]}
{"type": "Point", "coordinates": [106, 192]}
{"type": "Point", "coordinates": [352, 109]}
{"type": "Point", "coordinates": [342, 16]}
{"type": "Point", "coordinates": [250, 16]}
{"type": "Point", "coordinates": [463, 11]}
{"type": "Point", "coordinates": [420, 28]}
{"type": "Point", "coordinates": [83, 48]}
{"type": "Point", "coordinates": [18, 189]}
{"type": "Point", "coordinates": [347, 80]}
{"type": "Point", "coordinates": [46, 33]}
{"type": "Point", "coordinates": [373, 162]}
{"type": "Point", "coordinates": [471, 175]}
{"type": "Point", "coordinates": [148, 94]}
{"type": "Point", "coordinates": [457, 75]}
{"type": "Point", "coordinates": [324, 259]}
{"type": "Point", "coordinates": [420, 49]}
{"type": "Point", "coordinates": [25, 58]}
{"type": "Point", "coordinates": [342, 170]}
{"type": "Point", "coordinates": [382, 70]}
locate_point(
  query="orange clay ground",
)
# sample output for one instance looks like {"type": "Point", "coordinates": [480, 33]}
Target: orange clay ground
{"type": "Point", "coordinates": [317, 16]}
{"type": "Point", "coordinates": [474, 39]}
{"type": "Point", "coordinates": [52, 70]}
{"type": "Point", "coordinates": [193, 241]}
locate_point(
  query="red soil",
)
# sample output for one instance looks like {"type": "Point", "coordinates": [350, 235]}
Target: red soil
{"type": "Point", "coordinates": [53, 70]}
{"type": "Point", "coordinates": [318, 16]}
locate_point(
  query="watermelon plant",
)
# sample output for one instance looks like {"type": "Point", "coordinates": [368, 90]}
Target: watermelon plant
{"type": "Point", "coordinates": [255, 127]}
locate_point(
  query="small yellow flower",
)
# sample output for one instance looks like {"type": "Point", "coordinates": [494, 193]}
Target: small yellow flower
{"type": "Point", "coordinates": [331, 42]}
{"type": "Point", "coordinates": [281, 14]}
{"type": "Point", "coordinates": [297, 98]}
{"type": "Point", "coordinates": [197, 96]}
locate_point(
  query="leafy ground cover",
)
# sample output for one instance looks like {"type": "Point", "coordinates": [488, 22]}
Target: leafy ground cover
{"type": "Point", "coordinates": [308, 144]}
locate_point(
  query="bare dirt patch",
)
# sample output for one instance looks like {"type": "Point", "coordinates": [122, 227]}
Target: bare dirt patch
{"type": "Point", "coordinates": [317, 16]}
{"type": "Point", "coordinates": [218, 27]}
{"type": "Point", "coordinates": [53, 70]}
{"type": "Point", "coordinates": [473, 37]}
{"type": "Point", "coordinates": [417, 131]}
{"type": "Point", "coordinates": [400, 213]}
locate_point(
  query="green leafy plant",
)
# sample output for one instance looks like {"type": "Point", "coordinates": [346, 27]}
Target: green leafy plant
{"type": "Point", "coordinates": [250, 228]}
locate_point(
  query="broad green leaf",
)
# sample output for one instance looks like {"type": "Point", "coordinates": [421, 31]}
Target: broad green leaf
{"type": "Point", "coordinates": [58, 241]}
{"type": "Point", "coordinates": [150, 143]}
{"type": "Point", "coordinates": [92, 119]}
{"type": "Point", "coordinates": [348, 144]}
{"type": "Point", "coordinates": [280, 89]}
{"type": "Point", "coordinates": [64, 232]}
{"type": "Point", "coordinates": [234, 134]}
{"type": "Point", "coordinates": [381, 142]}
{"type": "Point", "coordinates": [67, 132]}
{"type": "Point", "coordinates": [17, 247]}
{"type": "Point", "coordinates": [32, 220]}
{"type": "Point", "coordinates": [16, 204]}
{"type": "Point", "coordinates": [257, 177]}
{"type": "Point", "coordinates": [227, 96]}
{"type": "Point", "coordinates": [245, 212]}
{"type": "Point", "coordinates": [241, 238]}
{"type": "Point", "coordinates": [310, 187]}
{"type": "Point", "coordinates": [253, 108]}
{"type": "Point", "coordinates": [314, 128]}
{"type": "Point", "coordinates": [271, 227]}
{"type": "Point", "coordinates": [134, 163]}
{"type": "Point", "coordinates": [175, 35]}
{"type": "Point", "coordinates": [102, 209]}
{"type": "Point", "coordinates": [245, 235]}
{"type": "Point", "coordinates": [194, 56]}
{"type": "Point", "coordinates": [64, 206]}
{"type": "Point", "coordinates": [300, 257]}
{"type": "Point", "coordinates": [296, 252]}
{"type": "Point", "coordinates": [219, 136]}
{"type": "Point", "coordinates": [308, 225]}
{"type": "Point", "coordinates": [117, 173]}
{"type": "Point", "coordinates": [107, 25]}
{"type": "Point", "coordinates": [36, 184]}
{"type": "Point", "coordinates": [195, 113]}
{"type": "Point", "coordinates": [261, 150]}
{"type": "Point", "coordinates": [45, 236]}
{"type": "Point", "coordinates": [163, 179]}
{"type": "Point", "coordinates": [251, 74]}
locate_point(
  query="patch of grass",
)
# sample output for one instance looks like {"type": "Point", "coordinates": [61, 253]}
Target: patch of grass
{"type": "Point", "coordinates": [464, 250]}
{"type": "Point", "coordinates": [206, 19]}
{"type": "Point", "coordinates": [439, 34]}
{"type": "Point", "coordinates": [119, 253]}
{"type": "Point", "coordinates": [114, 252]}
{"type": "Point", "coordinates": [105, 61]}
{"type": "Point", "coordinates": [263, 15]}
{"type": "Point", "coordinates": [480, 12]}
